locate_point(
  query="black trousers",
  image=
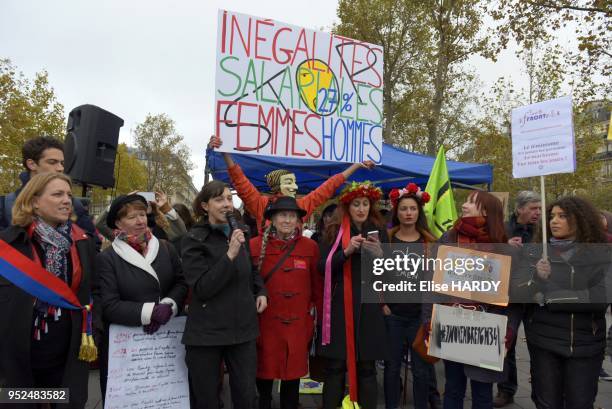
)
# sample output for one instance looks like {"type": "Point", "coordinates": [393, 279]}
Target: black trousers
{"type": "Point", "coordinates": [333, 387]}
{"type": "Point", "coordinates": [559, 382]}
{"type": "Point", "coordinates": [203, 363]}
{"type": "Point", "coordinates": [289, 393]}
{"type": "Point", "coordinates": [48, 378]}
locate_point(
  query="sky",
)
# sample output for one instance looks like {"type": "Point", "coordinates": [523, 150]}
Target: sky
{"type": "Point", "coordinates": [137, 57]}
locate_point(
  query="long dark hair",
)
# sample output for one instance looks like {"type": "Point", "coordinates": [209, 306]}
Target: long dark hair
{"type": "Point", "coordinates": [209, 190]}
{"type": "Point", "coordinates": [492, 207]}
{"type": "Point", "coordinates": [421, 223]}
{"type": "Point", "coordinates": [329, 209]}
{"type": "Point", "coordinates": [332, 229]}
{"type": "Point", "coordinates": [185, 214]}
{"type": "Point", "coordinates": [581, 215]}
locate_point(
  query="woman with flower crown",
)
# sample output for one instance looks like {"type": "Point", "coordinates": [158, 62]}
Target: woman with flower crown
{"type": "Point", "coordinates": [353, 334]}
{"type": "Point", "coordinates": [403, 320]}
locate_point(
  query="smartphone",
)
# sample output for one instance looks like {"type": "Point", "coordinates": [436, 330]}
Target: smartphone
{"type": "Point", "coordinates": [148, 196]}
{"type": "Point", "coordinates": [373, 235]}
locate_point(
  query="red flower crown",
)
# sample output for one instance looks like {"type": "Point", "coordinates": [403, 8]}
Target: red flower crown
{"type": "Point", "coordinates": [410, 190]}
{"type": "Point", "coordinates": [363, 189]}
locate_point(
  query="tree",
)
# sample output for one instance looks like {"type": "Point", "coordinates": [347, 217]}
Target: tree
{"type": "Point", "coordinates": [28, 108]}
{"type": "Point", "coordinates": [531, 22]}
{"type": "Point", "coordinates": [427, 88]}
{"type": "Point", "coordinates": [165, 154]}
{"type": "Point", "coordinates": [397, 27]}
{"type": "Point", "coordinates": [546, 70]}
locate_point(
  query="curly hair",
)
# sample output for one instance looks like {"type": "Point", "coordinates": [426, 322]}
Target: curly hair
{"type": "Point", "coordinates": [581, 216]}
{"type": "Point", "coordinates": [34, 148]}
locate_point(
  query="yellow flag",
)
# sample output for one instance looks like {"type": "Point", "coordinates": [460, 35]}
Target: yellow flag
{"type": "Point", "coordinates": [610, 128]}
{"type": "Point", "coordinates": [440, 210]}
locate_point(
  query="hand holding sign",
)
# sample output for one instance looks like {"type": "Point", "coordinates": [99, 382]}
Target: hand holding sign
{"type": "Point", "coordinates": [543, 269]}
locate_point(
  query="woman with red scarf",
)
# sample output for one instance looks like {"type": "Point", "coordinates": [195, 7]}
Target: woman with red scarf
{"type": "Point", "coordinates": [140, 278]}
{"type": "Point", "coordinates": [481, 223]}
{"type": "Point", "coordinates": [353, 334]}
{"type": "Point", "coordinates": [45, 279]}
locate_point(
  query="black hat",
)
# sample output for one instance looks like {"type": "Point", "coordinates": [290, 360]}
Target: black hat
{"type": "Point", "coordinates": [118, 204]}
{"type": "Point", "coordinates": [284, 203]}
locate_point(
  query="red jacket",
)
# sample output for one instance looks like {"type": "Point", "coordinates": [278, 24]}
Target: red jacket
{"type": "Point", "coordinates": [286, 326]}
{"type": "Point", "coordinates": [255, 203]}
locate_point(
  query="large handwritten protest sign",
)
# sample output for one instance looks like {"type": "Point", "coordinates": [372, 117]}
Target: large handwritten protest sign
{"type": "Point", "coordinates": [467, 336]}
{"type": "Point", "coordinates": [287, 91]}
{"type": "Point", "coordinates": [147, 371]}
{"type": "Point", "coordinates": [543, 138]}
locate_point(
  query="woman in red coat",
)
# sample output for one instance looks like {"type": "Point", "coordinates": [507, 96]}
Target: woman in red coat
{"type": "Point", "coordinates": [287, 262]}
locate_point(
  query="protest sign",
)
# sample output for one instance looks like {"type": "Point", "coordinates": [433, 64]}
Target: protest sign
{"type": "Point", "coordinates": [147, 371]}
{"type": "Point", "coordinates": [472, 274]}
{"type": "Point", "coordinates": [467, 336]}
{"type": "Point", "coordinates": [543, 139]}
{"type": "Point", "coordinates": [287, 91]}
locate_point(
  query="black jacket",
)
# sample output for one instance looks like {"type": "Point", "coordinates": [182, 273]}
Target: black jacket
{"type": "Point", "coordinates": [124, 287]}
{"type": "Point", "coordinates": [571, 321]}
{"type": "Point", "coordinates": [16, 314]}
{"type": "Point", "coordinates": [368, 318]}
{"type": "Point", "coordinates": [516, 229]}
{"type": "Point", "coordinates": [222, 310]}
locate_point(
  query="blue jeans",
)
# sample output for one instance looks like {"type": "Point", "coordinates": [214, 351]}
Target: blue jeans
{"type": "Point", "coordinates": [456, 383]}
{"type": "Point", "coordinates": [402, 330]}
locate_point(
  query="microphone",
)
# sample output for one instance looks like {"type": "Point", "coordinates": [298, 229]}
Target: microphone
{"type": "Point", "coordinates": [233, 224]}
{"type": "Point", "coordinates": [231, 220]}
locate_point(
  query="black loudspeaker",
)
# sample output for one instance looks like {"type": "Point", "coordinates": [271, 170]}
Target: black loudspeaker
{"type": "Point", "coordinates": [91, 145]}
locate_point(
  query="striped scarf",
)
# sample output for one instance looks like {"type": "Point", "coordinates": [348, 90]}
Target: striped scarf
{"type": "Point", "coordinates": [55, 243]}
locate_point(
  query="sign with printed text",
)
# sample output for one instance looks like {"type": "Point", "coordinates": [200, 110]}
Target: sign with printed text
{"type": "Point", "coordinates": [467, 336]}
{"type": "Point", "coordinates": [543, 139]}
{"type": "Point", "coordinates": [287, 91]}
{"type": "Point", "coordinates": [147, 371]}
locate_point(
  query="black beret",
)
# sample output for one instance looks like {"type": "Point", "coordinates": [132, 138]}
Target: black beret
{"type": "Point", "coordinates": [118, 204]}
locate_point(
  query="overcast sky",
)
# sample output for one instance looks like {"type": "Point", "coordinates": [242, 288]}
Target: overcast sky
{"type": "Point", "coordinates": [134, 57]}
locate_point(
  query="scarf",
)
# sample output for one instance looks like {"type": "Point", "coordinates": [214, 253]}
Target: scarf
{"type": "Point", "coordinates": [55, 244]}
{"type": "Point", "coordinates": [225, 228]}
{"type": "Point", "coordinates": [472, 230]}
{"type": "Point", "coordinates": [564, 248]}
{"type": "Point", "coordinates": [138, 242]}
{"type": "Point", "coordinates": [344, 235]}
{"type": "Point", "coordinates": [274, 234]}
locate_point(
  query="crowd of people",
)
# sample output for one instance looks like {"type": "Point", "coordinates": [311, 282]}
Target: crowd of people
{"type": "Point", "coordinates": [264, 301]}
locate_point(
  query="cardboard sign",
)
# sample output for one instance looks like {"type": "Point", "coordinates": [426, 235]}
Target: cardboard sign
{"type": "Point", "coordinates": [286, 91]}
{"type": "Point", "coordinates": [470, 337]}
{"type": "Point", "coordinates": [472, 274]}
{"type": "Point", "coordinates": [147, 371]}
{"type": "Point", "coordinates": [543, 139]}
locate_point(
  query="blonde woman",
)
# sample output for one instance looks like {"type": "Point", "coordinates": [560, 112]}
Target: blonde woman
{"type": "Point", "coordinates": [44, 292]}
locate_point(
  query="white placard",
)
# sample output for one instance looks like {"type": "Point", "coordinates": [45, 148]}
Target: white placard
{"type": "Point", "coordinates": [543, 139]}
{"type": "Point", "coordinates": [470, 337]}
{"type": "Point", "coordinates": [147, 371]}
{"type": "Point", "coordinates": [287, 91]}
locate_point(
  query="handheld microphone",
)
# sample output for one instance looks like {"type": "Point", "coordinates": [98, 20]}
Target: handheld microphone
{"type": "Point", "coordinates": [233, 224]}
{"type": "Point", "coordinates": [231, 220]}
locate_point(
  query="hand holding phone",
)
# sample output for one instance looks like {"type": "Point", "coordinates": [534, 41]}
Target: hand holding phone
{"type": "Point", "coordinates": [373, 235]}
{"type": "Point", "coordinates": [148, 196]}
